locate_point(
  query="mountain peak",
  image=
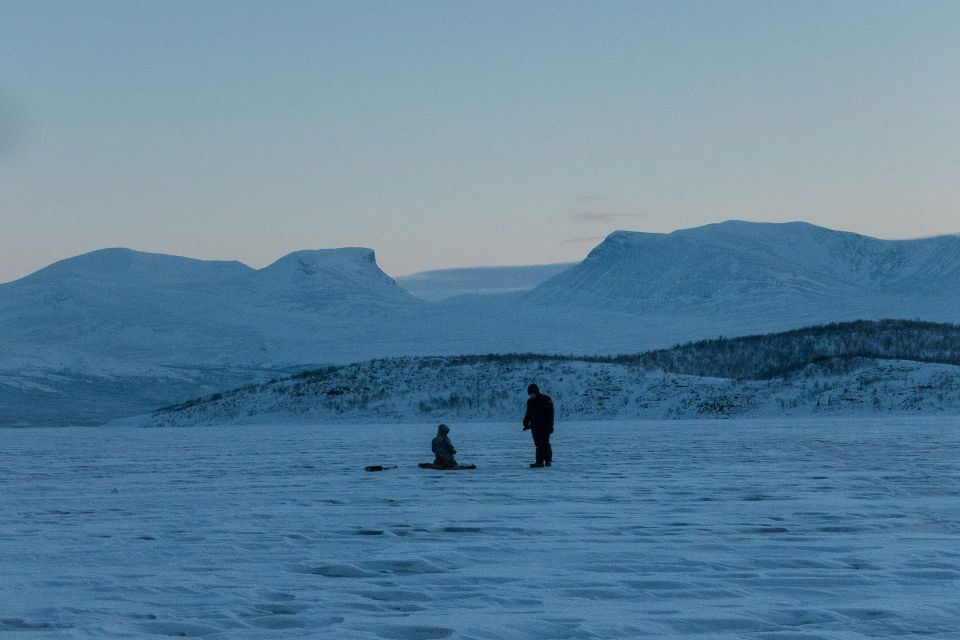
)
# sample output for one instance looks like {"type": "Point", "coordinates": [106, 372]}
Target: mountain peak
{"type": "Point", "coordinates": [327, 278]}
{"type": "Point", "coordinates": [739, 267]}
{"type": "Point", "coordinates": [312, 261]}
{"type": "Point", "coordinates": [153, 269]}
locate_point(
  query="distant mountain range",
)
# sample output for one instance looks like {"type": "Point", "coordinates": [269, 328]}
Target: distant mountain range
{"type": "Point", "coordinates": [443, 284]}
{"type": "Point", "coordinates": [110, 332]}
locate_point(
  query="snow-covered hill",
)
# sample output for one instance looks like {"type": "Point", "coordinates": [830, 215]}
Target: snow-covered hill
{"type": "Point", "coordinates": [464, 390]}
{"type": "Point", "coordinates": [852, 368]}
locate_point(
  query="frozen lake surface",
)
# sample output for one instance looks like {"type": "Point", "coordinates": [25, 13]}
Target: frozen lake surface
{"type": "Point", "coordinates": [786, 530]}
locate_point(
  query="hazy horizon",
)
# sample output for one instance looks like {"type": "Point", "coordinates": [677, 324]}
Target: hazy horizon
{"type": "Point", "coordinates": [428, 270]}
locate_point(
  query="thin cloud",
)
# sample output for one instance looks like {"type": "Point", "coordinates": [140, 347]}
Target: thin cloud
{"type": "Point", "coordinates": [604, 217]}
{"type": "Point", "coordinates": [598, 201]}
{"type": "Point", "coordinates": [581, 240]}
{"type": "Point", "coordinates": [600, 209]}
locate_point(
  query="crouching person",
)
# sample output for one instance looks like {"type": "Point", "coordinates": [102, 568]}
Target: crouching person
{"type": "Point", "coordinates": [443, 448]}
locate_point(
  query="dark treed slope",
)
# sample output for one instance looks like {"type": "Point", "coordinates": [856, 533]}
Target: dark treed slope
{"type": "Point", "coordinates": [767, 356]}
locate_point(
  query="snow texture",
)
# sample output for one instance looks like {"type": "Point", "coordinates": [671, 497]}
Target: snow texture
{"type": "Point", "coordinates": [835, 529]}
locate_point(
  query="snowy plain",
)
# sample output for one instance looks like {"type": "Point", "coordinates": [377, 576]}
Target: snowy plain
{"type": "Point", "coordinates": [784, 529]}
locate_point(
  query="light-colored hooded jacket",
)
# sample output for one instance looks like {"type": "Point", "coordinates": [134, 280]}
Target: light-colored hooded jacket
{"type": "Point", "coordinates": [443, 448]}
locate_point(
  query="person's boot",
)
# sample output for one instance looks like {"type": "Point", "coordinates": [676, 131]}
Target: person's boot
{"type": "Point", "coordinates": [547, 463]}
{"type": "Point", "coordinates": [536, 465]}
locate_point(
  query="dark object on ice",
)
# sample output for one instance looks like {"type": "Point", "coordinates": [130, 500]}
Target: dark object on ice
{"type": "Point", "coordinates": [539, 465]}
{"type": "Point", "coordinates": [377, 467]}
{"type": "Point", "coordinates": [442, 467]}
{"type": "Point", "coordinates": [443, 448]}
{"type": "Point", "coordinates": [539, 420]}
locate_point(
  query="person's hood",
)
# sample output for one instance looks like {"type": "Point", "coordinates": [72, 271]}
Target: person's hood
{"type": "Point", "coordinates": [443, 430]}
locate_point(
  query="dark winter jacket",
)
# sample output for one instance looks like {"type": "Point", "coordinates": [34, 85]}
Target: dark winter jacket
{"type": "Point", "coordinates": [539, 416]}
{"type": "Point", "coordinates": [443, 448]}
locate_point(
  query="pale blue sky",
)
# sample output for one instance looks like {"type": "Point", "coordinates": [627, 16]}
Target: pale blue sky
{"type": "Point", "coordinates": [455, 134]}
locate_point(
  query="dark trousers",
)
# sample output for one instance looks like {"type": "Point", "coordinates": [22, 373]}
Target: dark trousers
{"type": "Point", "coordinates": [541, 440]}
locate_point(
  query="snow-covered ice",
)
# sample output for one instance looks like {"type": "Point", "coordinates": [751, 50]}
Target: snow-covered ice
{"type": "Point", "coordinates": [785, 530]}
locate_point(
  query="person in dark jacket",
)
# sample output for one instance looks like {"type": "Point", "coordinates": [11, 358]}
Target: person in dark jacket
{"type": "Point", "coordinates": [443, 448]}
{"type": "Point", "coordinates": [539, 420]}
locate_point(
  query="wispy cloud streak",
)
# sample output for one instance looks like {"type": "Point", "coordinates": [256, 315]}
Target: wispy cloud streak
{"type": "Point", "coordinates": [605, 217]}
{"type": "Point", "coordinates": [582, 240]}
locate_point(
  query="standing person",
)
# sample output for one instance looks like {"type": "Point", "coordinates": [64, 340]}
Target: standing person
{"type": "Point", "coordinates": [539, 420]}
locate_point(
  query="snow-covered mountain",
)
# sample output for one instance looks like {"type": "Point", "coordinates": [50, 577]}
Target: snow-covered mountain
{"type": "Point", "coordinates": [339, 281]}
{"type": "Point", "coordinates": [119, 328]}
{"type": "Point", "coordinates": [159, 309]}
{"type": "Point", "coordinates": [744, 276]}
{"type": "Point", "coordinates": [95, 336]}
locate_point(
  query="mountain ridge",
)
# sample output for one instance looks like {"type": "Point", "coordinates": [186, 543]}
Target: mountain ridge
{"type": "Point", "coordinates": [756, 267]}
{"type": "Point", "coordinates": [112, 313]}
